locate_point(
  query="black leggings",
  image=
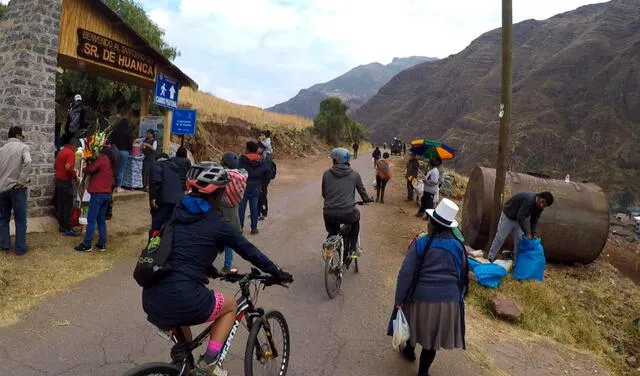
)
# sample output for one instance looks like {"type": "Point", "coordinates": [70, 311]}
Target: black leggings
{"type": "Point", "coordinates": [381, 185]}
{"type": "Point", "coordinates": [332, 224]}
{"type": "Point", "coordinates": [426, 202]}
{"type": "Point", "coordinates": [426, 359]}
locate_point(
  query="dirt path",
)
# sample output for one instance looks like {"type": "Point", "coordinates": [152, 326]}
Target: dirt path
{"type": "Point", "coordinates": [98, 327]}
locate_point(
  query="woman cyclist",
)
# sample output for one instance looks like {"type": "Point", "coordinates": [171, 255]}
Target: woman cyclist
{"type": "Point", "coordinates": [200, 233]}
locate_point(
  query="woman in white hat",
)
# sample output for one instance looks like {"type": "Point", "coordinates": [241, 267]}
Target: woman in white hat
{"type": "Point", "coordinates": [431, 288]}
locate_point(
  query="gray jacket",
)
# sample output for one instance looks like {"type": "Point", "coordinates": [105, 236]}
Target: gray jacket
{"type": "Point", "coordinates": [339, 185]}
{"type": "Point", "coordinates": [231, 215]}
{"type": "Point", "coordinates": [15, 164]}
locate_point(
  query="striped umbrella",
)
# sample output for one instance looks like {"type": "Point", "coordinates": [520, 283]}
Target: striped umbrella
{"type": "Point", "coordinates": [430, 149]}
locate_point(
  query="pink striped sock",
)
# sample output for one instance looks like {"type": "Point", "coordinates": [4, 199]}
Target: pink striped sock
{"type": "Point", "coordinates": [214, 348]}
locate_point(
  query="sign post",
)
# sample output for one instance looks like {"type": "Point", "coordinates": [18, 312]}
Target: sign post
{"type": "Point", "coordinates": [166, 95]}
{"type": "Point", "coordinates": [184, 123]}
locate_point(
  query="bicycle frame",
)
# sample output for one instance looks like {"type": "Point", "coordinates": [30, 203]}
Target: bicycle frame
{"type": "Point", "coordinates": [182, 351]}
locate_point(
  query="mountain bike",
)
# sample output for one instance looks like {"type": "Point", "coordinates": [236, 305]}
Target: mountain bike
{"type": "Point", "coordinates": [337, 260]}
{"type": "Point", "coordinates": [261, 351]}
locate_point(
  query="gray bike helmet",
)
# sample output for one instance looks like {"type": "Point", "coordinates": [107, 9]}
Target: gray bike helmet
{"type": "Point", "coordinates": [207, 177]}
{"type": "Point", "coordinates": [340, 155]}
{"type": "Point", "coordinates": [230, 160]}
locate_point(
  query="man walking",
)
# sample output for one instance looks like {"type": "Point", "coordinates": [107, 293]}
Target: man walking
{"type": "Point", "coordinates": [76, 124]}
{"type": "Point", "coordinates": [263, 201]}
{"type": "Point", "coordinates": [356, 147]}
{"type": "Point", "coordinates": [165, 191]}
{"type": "Point", "coordinates": [513, 220]}
{"type": "Point", "coordinates": [66, 176]}
{"type": "Point", "coordinates": [413, 166]}
{"type": "Point", "coordinates": [15, 166]}
{"type": "Point", "coordinates": [258, 172]}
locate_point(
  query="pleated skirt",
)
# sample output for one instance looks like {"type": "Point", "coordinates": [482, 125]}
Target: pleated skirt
{"type": "Point", "coordinates": [435, 325]}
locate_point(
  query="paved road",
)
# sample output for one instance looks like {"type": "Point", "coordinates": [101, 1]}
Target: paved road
{"type": "Point", "coordinates": [98, 328]}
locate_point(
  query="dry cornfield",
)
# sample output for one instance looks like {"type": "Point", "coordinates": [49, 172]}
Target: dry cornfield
{"type": "Point", "coordinates": [215, 109]}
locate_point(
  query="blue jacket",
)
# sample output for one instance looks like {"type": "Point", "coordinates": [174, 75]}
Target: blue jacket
{"type": "Point", "coordinates": [164, 183]}
{"type": "Point", "coordinates": [200, 234]}
{"type": "Point", "coordinates": [443, 275]}
{"type": "Point", "coordinates": [259, 171]}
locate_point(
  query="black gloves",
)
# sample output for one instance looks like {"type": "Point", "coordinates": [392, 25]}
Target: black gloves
{"type": "Point", "coordinates": [281, 276]}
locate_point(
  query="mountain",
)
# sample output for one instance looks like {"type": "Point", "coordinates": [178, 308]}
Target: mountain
{"type": "Point", "coordinates": [576, 97]}
{"type": "Point", "coordinates": [354, 87]}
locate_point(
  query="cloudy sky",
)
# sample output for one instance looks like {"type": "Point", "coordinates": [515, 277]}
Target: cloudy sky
{"type": "Point", "coordinates": [262, 52]}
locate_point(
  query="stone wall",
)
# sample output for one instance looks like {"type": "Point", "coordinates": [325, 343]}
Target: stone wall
{"type": "Point", "coordinates": [28, 60]}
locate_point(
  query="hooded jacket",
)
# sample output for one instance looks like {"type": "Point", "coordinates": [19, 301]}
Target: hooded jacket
{"type": "Point", "coordinates": [521, 206]}
{"type": "Point", "coordinates": [339, 185]}
{"type": "Point", "coordinates": [75, 118]}
{"type": "Point", "coordinates": [164, 183]}
{"type": "Point", "coordinates": [200, 234]}
{"type": "Point", "coordinates": [259, 171]}
{"type": "Point", "coordinates": [183, 164]}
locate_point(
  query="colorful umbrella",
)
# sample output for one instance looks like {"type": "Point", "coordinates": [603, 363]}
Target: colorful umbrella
{"type": "Point", "coordinates": [430, 149]}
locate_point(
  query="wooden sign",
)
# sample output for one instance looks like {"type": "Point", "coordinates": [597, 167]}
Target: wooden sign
{"type": "Point", "coordinates": [110, 52]}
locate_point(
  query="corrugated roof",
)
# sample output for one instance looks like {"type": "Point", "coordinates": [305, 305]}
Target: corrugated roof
{"type": "Point", "coordinates": [143, 42]}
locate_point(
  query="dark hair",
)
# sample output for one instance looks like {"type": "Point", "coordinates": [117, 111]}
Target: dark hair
{"type": "Point", "coordinates": [252, 147]}
{"type": "Point", "coordinates": [114, 162]}
{"type": "Point", "coordinates": [151, 132]}
{"type": "Point", "coordinates": [436, 229]}
{"type": "Point", "coordinates": [385, 155]}
{"type": "Point", "coordinates": [73, 141]}
{"type": "Point", "coordinates": [162, 155]}
{"type": "Point", "coordinates": [547, 196]}
{"type": "Point", "coordinates": [435, 161]}
{"type": "Point", "coordinates": [261, 145]}
{"type": "Point", "coordinates": [266, 133]}
{"type": "Point", "coordinates": [182, 152]}
{"type": "Point", "coordinates": [14, 132]}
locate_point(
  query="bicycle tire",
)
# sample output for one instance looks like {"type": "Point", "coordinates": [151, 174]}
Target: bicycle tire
{"type": "Point", "coordinates": [333, 288]}
{"type": "Point", "coordinates": [285, 352]}
{"type": "Point", "coordinates": [156, 368]}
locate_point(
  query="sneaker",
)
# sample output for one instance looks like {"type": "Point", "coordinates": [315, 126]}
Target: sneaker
{"type": "Point", "coordinates": [119, 190]}
{"type": "Point", "coordinates": [262, 218]}
{"type": "Point", "coordinates": [211, 366]}
{"type": "Point", "coordinates": [101, 247]}
{"type": "Point", "coordinates": [255, 231]}
{"type": "Point", "coordinates": [357, 253]}
{"type": "Point", "coordinates": [70, 233]}
{"type": "Point", "coordinates": [83, 248]}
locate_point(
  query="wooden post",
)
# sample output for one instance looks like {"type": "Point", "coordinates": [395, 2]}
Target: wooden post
{"type": "Point", "coordinates": [505, 115]}
{"type": "Point", "coordinates": [166, 138]}
{"type": "Point", "coordinates": [145, 97]}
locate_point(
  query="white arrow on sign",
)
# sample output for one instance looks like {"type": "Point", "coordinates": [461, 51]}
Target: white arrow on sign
{"type": "Point", "coordinates": [172, 92]}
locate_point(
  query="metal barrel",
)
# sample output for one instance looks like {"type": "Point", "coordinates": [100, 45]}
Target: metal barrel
{"type": "Point", "coordinates": [574, 229]}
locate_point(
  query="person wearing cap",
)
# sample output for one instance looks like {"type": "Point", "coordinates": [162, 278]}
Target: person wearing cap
{"type": "Point", "coordinates": [513, 219]}
{"type": "Point", "coordinates": [432, 284]}
{"type": "Point", "coordinates": [76, 124]}
{"type": "Point", "coordinates": [165, 191]}
{"type": "Point", "coordinates": [339, 185]}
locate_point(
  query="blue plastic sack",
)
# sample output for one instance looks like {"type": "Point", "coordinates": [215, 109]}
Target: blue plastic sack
{"type": "Point", "coordinates": [487, 275]}
{"type": "Point", "coordinates": [530, 260]}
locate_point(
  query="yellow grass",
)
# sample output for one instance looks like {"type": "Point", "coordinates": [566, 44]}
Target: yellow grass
{"type": "Point", "coordinates": [219, 110]}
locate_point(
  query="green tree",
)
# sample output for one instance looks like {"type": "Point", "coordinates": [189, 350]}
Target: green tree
{"type": "Point", "coordinates": [355, 132]}
{"type": "Point", "coordinates": [626, 198]}
{"type": "Point", "coordinates": [3, 10]}
{"type": "Point", "coordinates": [332, 120]}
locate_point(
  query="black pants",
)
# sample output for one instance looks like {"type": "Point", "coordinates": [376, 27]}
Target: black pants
{"type": "Point", "coordinates": [64, 203]}
{"type": "Point", "coordinates": [355, 153]}
{"type": "Point", "coordinates": [381, 185]}
{"type": "Point", "coordinates": [263, 201]}
{"type": "Point", "coordinates": [332, 224]}
{"type": "Point", "coordinates": [426, 202]}
{"type": "Point", "coordinates": [409, 190]}
{"type": "Point", "coordinates": [426, 358]}
{"type": "Point", "coordinates": [160, 216]}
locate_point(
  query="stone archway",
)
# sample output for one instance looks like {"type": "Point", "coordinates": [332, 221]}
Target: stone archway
{"type": "Point", "coordinates": [28, 60]}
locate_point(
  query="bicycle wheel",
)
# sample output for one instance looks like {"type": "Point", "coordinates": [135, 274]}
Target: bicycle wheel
{"type": "Point", "coordinates": [258, 355]}
{"type": "Point", "coordinates": [332, 275]}
{"type": "Point", "coordinates": [153, 369]}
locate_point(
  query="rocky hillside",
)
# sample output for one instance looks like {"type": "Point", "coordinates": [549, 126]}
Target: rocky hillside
{"type": "Point", "coordinates": [354, 87]}
{"type": "Point", "coordinates": [576, 101]}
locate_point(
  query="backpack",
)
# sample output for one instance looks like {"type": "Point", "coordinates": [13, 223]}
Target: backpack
{"type": "Point", "coordinates": [384, 169]}
{"type": "Point", "coordinates": [152, 264]}
{"type": "Point", "coordinates": [234, 190]}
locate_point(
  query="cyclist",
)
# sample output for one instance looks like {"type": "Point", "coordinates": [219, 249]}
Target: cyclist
{"type": "Point", "coordinates": [200, 234]}
{"type": "Point", "coordinates": [339, 184]}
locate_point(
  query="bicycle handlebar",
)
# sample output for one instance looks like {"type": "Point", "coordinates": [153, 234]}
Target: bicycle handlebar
{"type": "Point", "coordinates": [362, 203]}
{"type": "Point", "coordinates": [254, 275]}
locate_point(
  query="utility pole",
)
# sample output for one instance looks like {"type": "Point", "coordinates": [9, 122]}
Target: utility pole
{"type": "Point", "coordinates": [505, 114]}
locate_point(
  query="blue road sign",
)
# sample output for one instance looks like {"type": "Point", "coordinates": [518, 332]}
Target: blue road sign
{"type": "Point", "coordinates": [184, 122]}
{"type": "Point", "coordinates": [167, 89]}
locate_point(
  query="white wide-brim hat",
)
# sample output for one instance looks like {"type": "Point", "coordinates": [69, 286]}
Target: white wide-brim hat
{"type": "Point", "coordinates": [78, 97]}
{"type": "Point", "coordinates": [445, 213]}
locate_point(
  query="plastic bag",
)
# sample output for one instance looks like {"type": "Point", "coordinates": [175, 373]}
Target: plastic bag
{"type": "Point", "coordinates": [400, 330]}
{"type": "Point", "coordinates": [487, 275]}
{"type": "Point", "coordinates": [530, 261]}
{"type": "Point", "coordinates": [375, 184]}
{"type": "Point", "coordinates": [507, 264]}
{"type": "Point", "coordinates": [419, 187]}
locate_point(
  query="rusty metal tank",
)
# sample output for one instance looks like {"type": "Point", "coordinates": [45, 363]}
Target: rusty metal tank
{"type": "Point", "coordinates": [573, 229]}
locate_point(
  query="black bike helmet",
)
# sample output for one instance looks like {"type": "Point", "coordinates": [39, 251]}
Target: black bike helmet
{"type": "Point", "coordinates": [230, 160]}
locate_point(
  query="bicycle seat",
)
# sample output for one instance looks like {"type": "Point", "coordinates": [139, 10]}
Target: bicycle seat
{"type": "Point", "coordinates": [345, 230]}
